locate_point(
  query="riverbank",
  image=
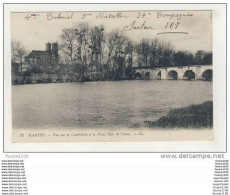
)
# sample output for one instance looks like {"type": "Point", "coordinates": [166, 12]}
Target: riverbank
{"type": "Point", "coordinates": [194, 116]}
{"type": "Point", "coordinates": [52, 78]}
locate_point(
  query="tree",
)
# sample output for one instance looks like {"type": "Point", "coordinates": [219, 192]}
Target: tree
{"type": "Point", "coordinates": [119, 58]}
{"type": "Point", "coordinates": [18, 53]}
{"type": "Point", "coordinates": [183, 58]}
{"type": "Point", "coordinates": [143, 52]}
{"type": "Point", "coordinates": [165, 54]}
{"type": "Point", "coordinates": [207, 58]}
{"type": "Point", "coordinates": [153, 56]}
{"type": "Point", "coordinates": [92, 53]}
{"type": "Point", "coordinates": [21, 53]}
{"type": "Point", "coordinates": [68, 44]}
{"type": "Point", "coordinates": [199, 57]}
{"type": "Point", "coordinates": [96, 49]}
{"type": "Point", "coordinates": [82, 34]}
{"type": "Point", "coordinates": [13, 51]}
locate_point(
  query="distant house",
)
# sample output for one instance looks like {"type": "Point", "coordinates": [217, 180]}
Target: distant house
{"type": "Point", "coordinates": [44, 59]}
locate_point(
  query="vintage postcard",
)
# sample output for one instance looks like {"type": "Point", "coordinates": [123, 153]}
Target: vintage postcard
{"type": "Point", "coordinates": [112, 76]}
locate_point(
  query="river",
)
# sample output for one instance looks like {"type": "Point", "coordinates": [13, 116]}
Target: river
{"type": "Point", "coordinates": [104, 104]}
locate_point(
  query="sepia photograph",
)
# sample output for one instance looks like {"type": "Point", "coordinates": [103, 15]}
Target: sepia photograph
{"type": "Point", "coordinates": [112, 76]}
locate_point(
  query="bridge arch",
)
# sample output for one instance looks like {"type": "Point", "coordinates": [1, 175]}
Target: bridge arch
{"type": "Point", "coordinates": [189, 75]}
{"type": "Point", "coordinates": [172, 75]}
{"type": "Point", "coordinates": [207, 75]}
{"type": "Point", "coordinates": [159, 75]}
{"type": "Point", "coordinates": [147, 75]}
{"type": "Point", "coordinates": [137, 75]}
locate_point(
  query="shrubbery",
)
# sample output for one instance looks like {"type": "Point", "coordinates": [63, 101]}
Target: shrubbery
{"type": "Point", "coordinates": [28, 81]}
{"type": "Point", "coordinates": [195, 116]}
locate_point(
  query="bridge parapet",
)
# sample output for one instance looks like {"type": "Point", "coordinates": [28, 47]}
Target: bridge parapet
{"type": "Point", "coordinates": [196, 72]}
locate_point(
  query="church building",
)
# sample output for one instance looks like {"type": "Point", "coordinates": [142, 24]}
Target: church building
{"type": "Point", "coordinates": [44, 60]}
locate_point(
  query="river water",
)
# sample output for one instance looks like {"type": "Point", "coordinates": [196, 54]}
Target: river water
{"type": "Point", "coordinates": [101, 104]}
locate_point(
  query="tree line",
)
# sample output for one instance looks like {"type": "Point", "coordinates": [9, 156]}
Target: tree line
{"type": "Point", "coordinates": [95, 54]}
{"type": "Point", "coordinates": [91, 53]}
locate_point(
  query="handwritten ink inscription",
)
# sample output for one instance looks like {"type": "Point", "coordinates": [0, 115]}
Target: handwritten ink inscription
{"type": "Point", "coordinates": [135, 26]}
{"type": "Point", "coordinates": [136, 21]}
{"type": "Point", "coordinates": [85, 15]}
{"type": "Point", "coordinates": [172, 25]}
{"type": "Point", "coordinates": [170, 21]}
{"type": "Point", "coordinates": [116, 15]}
{"type": "Point", "coordinates": [60, 16]}
{"type": "Point", "coordinates": [31, 15]}
{"type": "Point", "coordinates": [173, 15]}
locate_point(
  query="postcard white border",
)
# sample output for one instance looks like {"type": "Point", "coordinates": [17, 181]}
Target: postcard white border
{"type": "Point", "coordinates": [219, 84]}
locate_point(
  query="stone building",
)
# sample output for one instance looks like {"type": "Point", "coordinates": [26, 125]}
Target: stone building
{"type": "Point", "coordinates": [45, 60]}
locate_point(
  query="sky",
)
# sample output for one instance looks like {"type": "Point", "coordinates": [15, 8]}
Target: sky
{"type": "Point", "coordinates": [185, 30]}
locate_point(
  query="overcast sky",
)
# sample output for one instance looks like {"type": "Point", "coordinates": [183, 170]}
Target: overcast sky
{"type": "Point", "coordinates": [35, 29]}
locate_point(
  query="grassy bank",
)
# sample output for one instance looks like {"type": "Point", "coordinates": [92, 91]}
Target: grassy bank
{"type": "Point", "coordinates": [194, 116]}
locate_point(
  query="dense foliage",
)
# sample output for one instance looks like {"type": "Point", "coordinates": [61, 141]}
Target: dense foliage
{"type": "Point", "coordinates": [195, 116]}
{"type": "Point", "coordinates": [91, 53]}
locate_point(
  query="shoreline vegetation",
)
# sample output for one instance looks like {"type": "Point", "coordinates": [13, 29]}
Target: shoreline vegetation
{"type": "Point", "coordinates": [45, 79]}
{"type": "Point", "coordinates": [85, 53]}
{"type": "Point", "coordinates": [197, 116]}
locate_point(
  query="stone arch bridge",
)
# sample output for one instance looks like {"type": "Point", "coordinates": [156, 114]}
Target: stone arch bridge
{"type": "Point", "coordinates": [193, 72]}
